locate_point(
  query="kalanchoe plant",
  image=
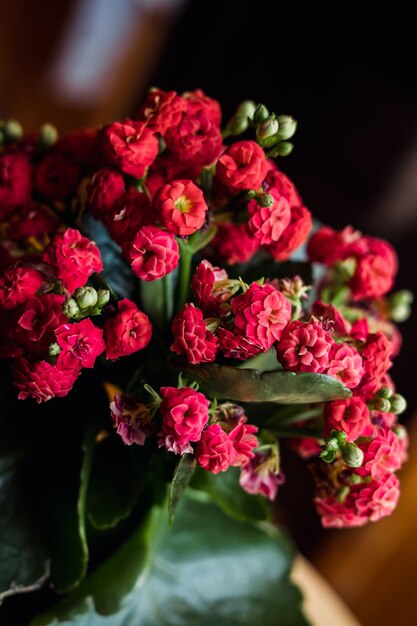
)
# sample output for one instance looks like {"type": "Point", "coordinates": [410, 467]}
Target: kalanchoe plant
{"type": "Point", "coordinates": [150, 252]}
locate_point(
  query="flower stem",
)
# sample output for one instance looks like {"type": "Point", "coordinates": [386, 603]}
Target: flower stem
{"type": "Point", "coordinates": [186, 256]}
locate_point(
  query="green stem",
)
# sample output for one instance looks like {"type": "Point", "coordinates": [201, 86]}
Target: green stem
{"type": "Point", "coordinates": [184, 276]}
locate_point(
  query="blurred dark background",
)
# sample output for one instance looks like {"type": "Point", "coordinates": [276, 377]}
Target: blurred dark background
{"type": "Point", "coordinates": [348, 76]}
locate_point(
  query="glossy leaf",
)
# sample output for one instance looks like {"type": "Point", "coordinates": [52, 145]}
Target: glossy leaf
{"type": "Point", "coordinates": [249, 385]}
{"type": "Point", "coordinates": [207, 569]}
{"type": "Point", "coordinates": [181, 479]}
{"type": "Point", "coordinates": [22, 557]}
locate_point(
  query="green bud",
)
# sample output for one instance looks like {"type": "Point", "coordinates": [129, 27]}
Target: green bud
{"type": "Point", "coordinates": [400, 305]}
{"type": "Point", "coordinates": [343, 493]}
{"type": "Point", "coordinates": [54, 349]}
{"type": "Point", "coordinates": [287, 127]}
{"type": "Point", "coordinates": [70, 308]}
{"type": "Point", "coordinates": [48, 135]}
{"type": "Point", "coordinates": [352, 455]}
{"type": "Point", "coordinates": [341, 438]}
{"type": "Point", "coordinates": [86, 297]}
{"type": "Point", "coordinates": [266, 132]}
{"type": "Point", "coordinates": [381, 404]}
{"type": "Point", "coordinates": [355, 479]}
{"type": "Point", "coordinates": [328, 456]}
{"type": "Point", "coordinates": [240, 120]}
{"type": "Point", "coordinates": [246, 109]}
{"type": "Point", "coordinates": [261, 114]}
{"type": "Point", "coordinates": [13, 130]}
{"type": "Point", "coordinates": [384, 392]}
{"type": "Point", "coordinates": [283, 149]}
{"type": "Point", "coordinates": [103, 296]}
{"type": "Point", "coordinates": [398, 404]}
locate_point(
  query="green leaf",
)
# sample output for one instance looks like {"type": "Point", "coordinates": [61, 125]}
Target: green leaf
{"type": "Point", "coordinates": [249, 385]}
{"type": "Point", "coordinates": [207, 569]}
{"type": "Point", "coordinates": [180, 481]}
{"type": "Point", "coordinates": [158, 299]}
{"type": "Point", "coordinates": [23, 560]}
{"type": "Point", "coordinates": [226, 492]}
{"type": "Point", "coordinates": [114, 487]}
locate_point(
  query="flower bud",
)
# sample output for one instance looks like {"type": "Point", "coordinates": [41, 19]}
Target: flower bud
{"type": "Point", "coordinates": [384, 392]}
{"type": "Point", "coordinates": [48, 135]}
{"type": "Point", "coordinates": [284, 148]}
{"type": "Point", "coordinates": [352, 455]}
{"type": "Point", "coordinates": [398, 404]}
{"type": "Point", "coordinates": [400, 305]}
{"type": "Point", "coordinates": [261, 114]}
{"type": "Point", "coordinates": [381, 404]}
{"type": "Point", "coordinates": [240, 120]}
{"type": "Point", "coordinates": [266, 132]}
{"type": "Point", "coordinates": [287, 127]}
{"type": "Point", "coordinates": [86, 297]}
{"type": "Point", "coordinates": [103, 296]}
{"type": "Point", "coordinates": [13, 130]}
{"type": "Point", "coordinates": [54, 349]}
{"type": "Point", "coordinates": [262, 198]}
{"type": "Point", "coordinates": [328, 456]}
{"type": "Point", "coordinates": [70, 308]}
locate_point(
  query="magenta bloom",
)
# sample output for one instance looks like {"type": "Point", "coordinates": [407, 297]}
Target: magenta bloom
{"type": "Point", "coordinates": [261, 314]}
{"type": "Point", "coordinates": [153, 253]}
{"type": "Point", "coordinates": [215, 452]}
{"type": "Point", "coordinates": [351, 416]}
{"type": "Point", "coordinates": [131, 146]}
{"type": "Point", "coordinates": [18, 284]}
{"type": "Point", "coordinates": [242, 166]}
{"type": "Point", "coordinates": [259, 476]}
{"type": "Point", "coordinates": [269, 223]}
{"type": "Point", "coordinates": [41, 380]}
{"type": "Point", "coordinates": [384, 454]}
{"type": "Point", "coordinates": [244, 440]}
{"type": "Point", "coordinates": [304, 347]}
{"type": "Point", "coordinates": [104, 190]}
{"type": "Point", "coordinates": [184, 414]}
{"type": "Point", "coordinates": [235, 346]}
{"type": "Point", "coordinates": [181, 206]}
{"type": "Point", "coordinates": [131, 419]}
{"type": "Point", "coordinates": [345, 363]}
{"type": "Point", "coordinates": [128, 331]}
{"type": "Point", "coordinates": [81, 343]}
{"type": "Point", "coordinates": [37, 321]}
{"type": "Point", "coordinates": [191, 337]}
{"type": "Point", "coordinates": [210, 286]}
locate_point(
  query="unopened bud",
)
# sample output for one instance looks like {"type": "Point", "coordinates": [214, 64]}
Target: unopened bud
{"type": "Point", "coordinates": [384, 392]}
{"type": "Point", "coordinates": [240, 120]}
{"type": "Point", "coordinates": [261, 114]}
{"type": "Point", "coordinates": [70, 308]}
{"type": "Point", "coordinates": [103, 296]}
{"type": "Point", "coordinates": [260, 197]}
{"type": "Point", "coordinates": [400, 305]}
{"type": "Point", "coordinates": [283, 149]}
{"type": "Point", "coordinates": [287, 127]}
{"type": "Point", "coordinates": [383, 405]}
{"type": "Point", "coordinates": [54, 349]}
{"type": "Point", "coordinates": [328, 456]}
{"type": "Point", "coordinates": [48, 135]}
{"type": "Point", "coordinates": [266, 132]}
{"type": "Point", "coordinates": [86, 297]}
{"type": "Point", "coordinates": [13, 130]}
{"type": "Point", "coordinates": [398, 404]}
{"type": "Point", "coordinates": [352, 455]}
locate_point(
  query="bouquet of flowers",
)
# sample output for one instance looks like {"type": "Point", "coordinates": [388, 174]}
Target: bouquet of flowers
{"type": "Point", "coordinates": [159, 274]}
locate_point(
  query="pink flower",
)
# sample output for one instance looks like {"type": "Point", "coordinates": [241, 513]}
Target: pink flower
{"type": "Point", "coordinates": [73, 258]}
{"type": "Point", "coordinates": [81, 343]}
{"type": "Point", "coordinates": [131, 419]}
{"type": "Point", "coordinates": [131, 146]}
{"type": "Point", "coordinates": [261, 476]}
{"type": "Point", "coordinates": [383, 454]}
{"type": "Point", "coordinates": [181, 207]}
{"type": "Point", "coordinates": [191, 337]}
{"type": "Point", "coordinates": [294, 234]}
{"type": "Point", "coordinates": [215, 452]}
{"type": "Point", "coordinates": [211, 287]}
{"type": "Point", "coordinates": [128, 331]}
{"type": "Point", "coordinates": [261, 314]}
{"type": "Point", "coordinates": [236, 346]}
{"type": "Point", "coordinates": [345, 363]}
{"type": "Point", "coordinates": [331, 318]}
{"type": "Point", "coordinates": [41, 380]}
{"type": "Point", "coordinates": [244, 440]}
{"type": "Point", "coordinates": [268, 223]}
{"type": "Point", "coordinates": [184, 414]}
{"type": "Point", "coordinates": [379, 498]}
{"type": "Point", "coordinates": [304, 347]}
{"type": "Point", "coordinates": [328, 246]}
{"type": "Point", "coordinates": [153, 253]}
{"type": "Point", "coordinates": [104, 190]}
{"type": "Point", "coordinates": [242, 166]}
{"type": "Point", "coordinates": [351, 416]}
{"type": "Point", "coordinates": [37, 321]}
{"type": "Point", "coordinates": [375, 271]}
{"type": "Point", "coordinates": [18, 284]}
{"type": "Point", "coordinates": [196, 140]}
{"type": "Point", "coordinates": [235, 244]}
{"type": "Point", "coordinates": [131, 212]}
{"type": "Point", "coordinates": [376, 355]}
{"type": "Point", "coordinates": [277, 180]}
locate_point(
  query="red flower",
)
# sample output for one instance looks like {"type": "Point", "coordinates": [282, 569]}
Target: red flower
{"type": "Point", "coordinates": [376, 355]}
{"type": "Point", "coordinates": [41, 380]}
{"type": "Point", "coordinates": [384, 454]}
{"type": "Point", "coordinates": [294, 235]}
{"type": "Point", "coordinates": [131, 146]}
{"type": "Point", "coordinates": [215, 452]}
{"type": "Point", "coordinates": [37, 321]}
{"type": "Point", "coordinates": [56, 178]}
{"type": "Point", "coordinates": [210, 287]}
{"type": "Point", "coordinates": [103, 191]}
{"type": "Point", "coordinates": [235, 244]}
{"type": "Point", "coordinates": [184, 414]}
{"type": "Point", "coordinates": [304, 347]}
{"type": "Point", "coordinates": [196, 140]}
{"type": "Point", "coordinates": [128, 331]}
{"type": "Point", "coordinates": [131, 212]}
{"type": "Point", "coordinates": [261, 314]}
{"type": "Point", "coordinates": [269, 223]}
{"type": "Point", "coordinates": [244, 441]}
{"type": "Point", "coordinates": [278, 181]}
{"type": "Point", "coordinates": [236, 346]}
{"type": "Point", "coordinates": [81, 147]}
{"type": "Point", "coordinates": [345, 363]}
{"type": "Point", "coordinates": [18, 284]}
{"type": "Point", "coordinates": [32, 220]}
{"type": "Point", "coordinates": [81, 343]}
{"type": "Point", "coordinates": [242, 166]}
{"type": "Point", "coordinates": [181, 207]}
{"type": "Point", "coordinates": [331, 318]}
{"type": "Point", "coordinates": [191, 337]}
{"type": "Point", "coordinates": [375, 271]}
{"type": "Point", "coordinates": [197, 101]}
{"type": "Point", "coordinates": [351, 416]}
{"type": "Point", "coordinates": [161, 110]}
{"type": "Point", "coordinates": [153, 253]}
{"type": "Point", "coordinates": [73, 258]}
{"type": "Point", "coordinates": [15, 181]}
{"type": "Point", "coordinates": [328, 246]}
